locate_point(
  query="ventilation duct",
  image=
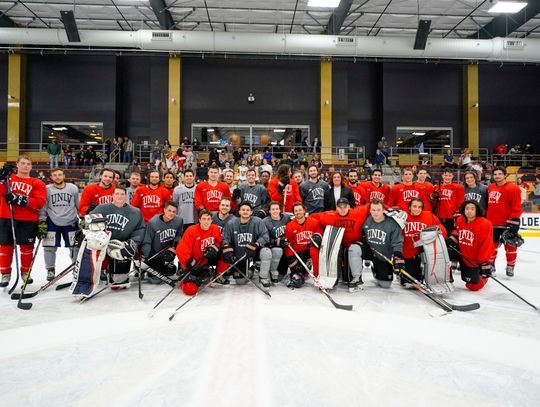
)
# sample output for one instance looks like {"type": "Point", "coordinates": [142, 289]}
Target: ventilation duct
{"type": "Point", "coordinates": [282, 44]}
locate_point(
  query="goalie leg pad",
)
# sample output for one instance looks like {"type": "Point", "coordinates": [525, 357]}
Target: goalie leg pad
{"type": "Point", "coordinates": [265, 255]}
{"type": "Point", "coordinates": [87, 270]}
{"type": "Point", "coordinates": [356, 263]}
{"type": "Point", "coordinates": [437, 265]}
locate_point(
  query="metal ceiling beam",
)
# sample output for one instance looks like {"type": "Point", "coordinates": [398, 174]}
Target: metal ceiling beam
{"type": "Point", "coordinates": [505, 24]}
{"type": "Point", "coordinates": [70, 25]}
{"type": "Point", "coordinates": [163, 15]}
{"type": "Point", "coordinates": [340, 13]}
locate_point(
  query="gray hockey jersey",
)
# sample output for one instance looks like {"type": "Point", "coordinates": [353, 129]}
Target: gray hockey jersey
{"type": "Point", "coordinates": [238, 235]}
{"type": "Point", "coordinates": [313, 195]}
{"type": "Point", "coordinates": [61, 205]}
{"type": "Point", "coordinates": [478, 194]}
{"type": "Point", "coordinates": [183, 196]}
{"type": "Point", "coordinates": [160, 234]}
{"type": "Point", "coordinates": [276, 228]}
{"type": "Point", "coordinates": [385, 237]}
{"type": "Point", "coordinates": [124, 223]}
{"type": "Point", "coordinates": [216, 220]}
{"type": "Point", "coordinates": [256, 195]}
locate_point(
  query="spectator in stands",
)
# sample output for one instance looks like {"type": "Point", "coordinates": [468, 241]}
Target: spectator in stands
{"type": "Point", "coordinates": [368, 167]}
{"type": "Point", "coordinates": [267, 156]}
{"type": "Point", "coordinates": [303, 159]}
{"type": "Point", "coordinates": [487, 178]}
{"type": "Point", "coordinates": [465, 159]}
{"type": "Point", "coordinates": [501, 149]}
{"type": "Point", "coordinates": [535, 195]}
{"type": "Point", "coordinates": [89, 157]}
{"type": "Point", "coordinates": [166, 147]}
{"type": "Point", "coordinates": [524, 193]}
{"type": "Point", "coordinates": [380, 158]}
{"type": "Point", "coordinates": [237, 155]}
{"type": "Point", "coordinates": [316, 146]}
{"type": "Point", "coordinates": [121, 149]}
{"type": "Point", "coordinates": [449, 159]}
{"type": "Point", "coordinates": [293, 158]}
{"type": "Point", "coordinates": [196, 145]}
{"type": "Point", "coordinates": [54, 149]}
{"type": "Point", "coordinates": [68, 155]}
{"type": "Point", "coordinates": [382, 145]}
{"type": "Point", "coordinates": [298, 176]}
{"type": "Point", "coordinates": [223, 158]}
{"type": "Point", "coordinates": [202, 170]}
{"type": "Point", "coordinates": [156, 153]}
{"type": "Point", "coordinates": [129, 148]}
{"type": "Point", "coordinates": [265, 167]}
{"type": "Point", "coordinates": [213, 157]}
{"type": "Point", "coordinates": [316, 161]}
{"type": "Point", "coordinates": [41, 176]}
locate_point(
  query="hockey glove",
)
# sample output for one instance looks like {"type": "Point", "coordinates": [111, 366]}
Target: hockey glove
{"type": "Point", "coordinates": [452, 243]}
{"type": "Point", "coordinates": [281, 242]}
{"type": "Point", "coordinates": [513, 224]}
{"type": "Point", "coordinates": [6, 171]}
{"type": "Point", "coordinates": [193, 266]}
{"type": "Point", "coordinates": [42, 229]}
{"type": "Point", "coordinates": [261, 213]}
{"type": "Point", "coordinates": [251, 250]}
{"type": "Point", "coordinates": [169, 255]}
{"type": "Point", "coordinates": [16, 199]}
{"type": "Point", "coordinates": [434, 197]}
{"type": "Point", "coordinates": [211, 253]}
{"type": "Point", "coordinates": [316, 240]}
{"type": "Point", "coordinates": [399, 263]}
{"type": "Point", "coordinates": [283, 182]}
{"type": "Point", "coordinates": [228, 254]}
{"type": "Point", "coordinates": [237, 194]}
{"type": "Point", "coordinates": [485, 269]}
{"type": "Point", "coordinates": [121, 250]}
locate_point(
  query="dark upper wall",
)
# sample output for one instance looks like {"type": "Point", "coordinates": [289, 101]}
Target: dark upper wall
{"type": "Point", "coordinates": [70, 89]}
{"type": "Point", "coordinates": [216, 91]}
{"type": "Point", "coordinates": [509, 105]}
{"type": "Point", "coordinates": [3, 97]}
{"type": "Point", "coordinates": [142, 93]}
{"type": "Point", "coordinates": [418, 95]}
{"type": "Point", "coordinates": [355, 104]}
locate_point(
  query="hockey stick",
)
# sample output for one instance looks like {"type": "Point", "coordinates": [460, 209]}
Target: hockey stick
{"type": "Point", "coordinates": [428, 292]}
{"type": "Point", "coordinates": [28, 305]}
{"type": "Point", "coordinates": [498, 281]}
{"type": "Point", "coordinates": [318, 283]}
{"type": "Point", "coordinates": [218, 275]}
{"type": "Point", "coordinates": [141, 295]}
{"type": "Point", "coordinates": [151, 313]}
{"type": "Point", "coordinates": [253, 282]}
{"type": "Point", "coordinates": [14, 239]}
{"type": "Point", "coordinates": [16, 296]}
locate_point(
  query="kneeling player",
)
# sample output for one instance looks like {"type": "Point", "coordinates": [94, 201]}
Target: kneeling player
{"type": "Point", "coordinates": [125, 231]}
{"type": "Point", "coordinates": [304, 238]}
{"type": "Point", "coordinates": [384, 240]}
{"type": "Point", "coordinates": [246, 235]}
{"type": "Point", "coordinates": [275, 224]}
{"type": "Point", "coordinates": [471, 243]}
{"type": "Point", "coordinates": [162, 231]}
{"type": "Point", "coordinates": [197, 252]}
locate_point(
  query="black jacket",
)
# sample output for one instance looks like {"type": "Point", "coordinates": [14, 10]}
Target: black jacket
{"type": "Point", "coordinates": [330, 202]}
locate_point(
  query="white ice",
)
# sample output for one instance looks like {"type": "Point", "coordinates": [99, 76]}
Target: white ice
{"type": "Point", "coordinates": [234, 347]}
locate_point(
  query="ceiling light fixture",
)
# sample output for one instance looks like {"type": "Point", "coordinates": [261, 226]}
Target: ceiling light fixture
{"type": "Point", "coordinates": [508, 7]}
{"type": "Point", "coordinates": [323, 3]}
{"type": "Point", "coordinates": [419, 133]}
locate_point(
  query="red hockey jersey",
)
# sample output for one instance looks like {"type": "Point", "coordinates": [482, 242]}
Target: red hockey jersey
{"type": "Point", "coordinates": [209, 197]}
{"type": "Point", "coordinates": [94, 194]}
{"type": "Point", "coordinates": [372, 191]}
{"type": "Point", "coordinates": [149, 201]}
{"type": "Point", "coordinates": [168, 191]}
{"type": "Point", "coordinates": [427, 189]}
{"type": "Point", "coordinates": [194, 241]}
{"type": "Point", "coordinates": [504, 202]}
{"type": "Point", "coordinates": [34, 189]}
{"type": "Point", "coordinates": [414, 225]}
{"type": "Point", "coordinates": [299, 235]}
{"type": "Point", "coordinates": [359, 194]}
{"type": "Point", "coordinates": [475, 239]}
{"type": "Point", "coordinates": [401, 195]}
{"type": "Point", "coordinates": [352, 222]}
{"type": "Point", "coordinates": [290, 197]}
{"type": "Point", "coordinates": [451, 196]}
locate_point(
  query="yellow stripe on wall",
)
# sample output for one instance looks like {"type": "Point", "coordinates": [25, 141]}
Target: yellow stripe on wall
{"type": "Point", "coordinates": [471, 108]}
{"type": "Point", "coordinates": [16, 125]}
{"type": "Point", "coordinates": [174, 102]}
{"type": "Point", "coordinates": [326, 111]}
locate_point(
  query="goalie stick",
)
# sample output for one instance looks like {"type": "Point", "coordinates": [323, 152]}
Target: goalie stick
{"type": "Point", "coordinates": [218, 275]}
{"type": "Point", "coordinates": [319, 285]}
{"type": "Point", "coordinates": [428, 292]}
{"type": "Point", "coordinates": [16, 296]}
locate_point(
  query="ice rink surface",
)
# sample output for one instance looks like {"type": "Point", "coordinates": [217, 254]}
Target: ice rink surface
{"type": "Point", "coordinates": [235, 347]}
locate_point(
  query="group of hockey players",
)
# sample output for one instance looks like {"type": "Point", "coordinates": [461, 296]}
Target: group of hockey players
{"type": "Point", "coordinates": [198, 233]}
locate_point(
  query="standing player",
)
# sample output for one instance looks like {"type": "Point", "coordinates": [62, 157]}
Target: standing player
{"type": "Point", "coordinates": [417, 220]}
{"type": "Point", "coordinates": [208, 194]}
{"type": "Point", "coordinates": [151, 198]}
{"type": "Point", "coordinates": [375, 189]}
{"type": "Point", "coordinates": [282, 190]}
{"type": "Point", "coordinates": [451, 196]}
{"type": "Point", "coordinates": [254, 193]}
{"type": "Point", "coordinates": [198, 249]}
{"type": "Point", "coordinates": [246, 235]}
{"type": "Point", "coordinates": [223, 216]}
{"type": "Point", "coordinates": [168, 185]}
{"type": "Point", "coordinates": [183, 197]}
{"type": "Point", "coordinates": [504, 211]}
{"type": "Point", "coordinates": [95, 194]}
{"type": "Point", "coordinates": [312, 191]}
{"type": "Point", "coordinates": [426, 186]}
{"type": "Point", "coordinates": [264, 178]}
{"type": "Point", "coordinates": [134, 183]}
{"type": "Point", "coordinates": [383, 234]}
{"type": "Point", "coordinates": [275, 224]}
{"type": "Point", "coordinates": [401, 194]}
{"type": "Point", "coordinates": [357, 188]}
{"type": "Point", "coordinates": [62, 217]}
{"type": "Point", "coordinates": [26, 197]}
{"type": "Point", "coordinates": [473, 238]}
{"type": "Point", "coordinates": [475, 191]}
{"type": "Point", "coordinates": [305, 237]}
{"type": "Point", "coordinates": [162, 231]}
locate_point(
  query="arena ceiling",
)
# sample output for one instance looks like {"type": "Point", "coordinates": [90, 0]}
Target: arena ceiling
{"type": "Point", "coordinates": [449, 18]}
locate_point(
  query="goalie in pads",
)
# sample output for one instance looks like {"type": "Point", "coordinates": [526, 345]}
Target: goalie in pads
{"type": "Point", "coordinates": [112, 234]}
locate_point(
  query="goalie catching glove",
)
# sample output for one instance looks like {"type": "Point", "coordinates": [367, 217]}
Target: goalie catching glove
{"type": "Point", "coordinates": [121, 250]}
